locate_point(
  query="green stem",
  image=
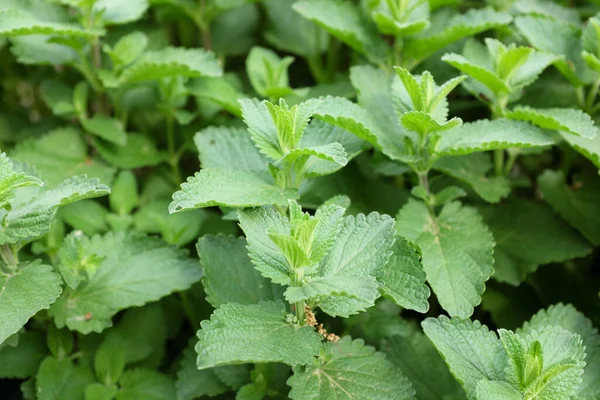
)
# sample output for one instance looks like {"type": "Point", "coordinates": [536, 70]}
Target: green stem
{"type": "Point", "coordinates": [315, 65]}
{"type": "Point", "coordinates": [499, 162]}
{"type": "Point", "coordinates": [173, 158]}
{"type": "Point", "coordinates": [580, 97]}
{"type": "Point", "coordinates": [299, 305]}
{"type": "Point", "coordinates": [512, 157]}
{"type": "Point", "coordinates": [499, 111]}
{"type": "Point", "coordinates": [9, 257]}
{"type": "Point", "coordinates": [589, 104]}
{"type": "Point", "coordinates": [188, 310]}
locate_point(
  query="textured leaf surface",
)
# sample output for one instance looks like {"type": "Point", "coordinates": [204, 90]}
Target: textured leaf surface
{"type": "Point", "coordinates": [61, 379]}
{"type": "Point", "coordinates": [172, 61]}
{"type": "Point", "coordinates": [528, 235]}
{"type": "Point", "coordinates": [576, 205]}
{"type": "Point", "coordinates": [472, 169]}
{"type": "Point", "coordinates": [140, 151]}
{"type": "Point", "coordinates": [497, 390]}
{"type": "Point", "coordinates": [134, 270]}
{"type": "Point", "coordinates": [419, 360]}
{"type": "Point", "coordinates": [144, 383]}
{"type": "Point", "coordinates": [16, 22]}
{"type": "Point", "coordinates": [362, 248]}
{"type": "Point", "coordinates": [23, 360]}
{"type": "Point", "coordinates": [456, 250]}
{"type": "Point", "coordinates": [238, 334]}
{"type": "Point", "coordinates": [119, 12]}
{"type": "Point", "coordinates": [564, 119]}
{"type": "Point", "coordinates": [349, 370]}
{"type": "Point", "coordinates": [23, 293]}
{"type": "Point", "coordinates": [489, 135]}
{"type": "Point", "coordinates": [590, 148]}
{"type": "Point", "coordinates": [230, 188]}
{"type": "Point", "coordinates": [107, 128]}
{"type": "Point", "coordinates": [344, 21]}
{"type": "Point", "coordinates": [404, 279]}
{"type": "Point", "coordinates": [219, 91]}
{"type": "Point", "coordinates": [567, 317]}
{"type": "Point", "coordinates": [471, 351]}
{"type": "Point", "coordinates": [229, 276]}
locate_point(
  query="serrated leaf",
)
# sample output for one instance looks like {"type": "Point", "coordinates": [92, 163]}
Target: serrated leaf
{"type": "Point", "coordinates": [563, 119]}
{"type": "Point", "coordinates": [229, 188]}
{"type": "Point", "coordinates": [472, 170]}
{"type": "Point", "coordinates": [557, 37]}
{"type": "Point", "coordinates": [346, 370]}
{"type": "Point", "coordinates": [16, 22]}
{"type": "Point", "coordinates": [456, 249]}
{"type": "Point", "coordinates": [140, 151]}
{"type": "Point", "coordinates": [59, 155]}
{"type": "Point", "coordinates": [497, 390]}
{"type": "Point", "coordinates": [362, 248]}
{"type": "Point", "coordinates": [229, 276]}
{"type": "Point", "coordinates": [464, 25]}
{"type": "Point", "coordinates": [529, 235]}
{"type": "Point", "coordinates": [119, 12]}
{"type": "Point", "coordinates": [238, 334]}
{"type": "Point", "coordinates": [128, 48]}
{"type": "Point", "coordinates": [423, 124]}
{"type": "Point", "coordinates": [590, 148]}
{"type": "Point", "coordinates": [344, 21]}
{"type": "Point", "coordinates": [11, 180]}
{"type": "Point", "coordinates": [567, 317]}
{"type": "Point", "coordinates": [261, 127]}
{"type": "Point", "coordinates": [147, 384]}
{"type": "Point", "coordinates": [228, 147]}
{"type": "Point", "coordinates": [489, 78]}
{"type": "Point", "coordinates": [61, 379]}
{"type": "Point", "coordinates": [24, 292]}
{"type": "Point", "coordinates": [170, 62]}
{"type": "Point", "coordinates": [217, 90]}
{"type": "Point", "coordinates": [575, 205]}
{"type": "Point", "coordinates": [404, 279]}
{"type": "Point", "coordinates": [471, 351]}
{"type": "Point", "coordinates": [105, 127]}
{"type": "Point", "coordinates": [489, 135]}
{"type": "Point", "coordinates": [419, 360]}
{"type": "Point", "coordinates": [135, 270]}
{"type": "Point", "coordinates": [268, 73]}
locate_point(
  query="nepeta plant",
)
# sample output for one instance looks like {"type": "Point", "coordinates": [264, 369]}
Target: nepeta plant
{"type": "Point", "coordinates": [387, 199]}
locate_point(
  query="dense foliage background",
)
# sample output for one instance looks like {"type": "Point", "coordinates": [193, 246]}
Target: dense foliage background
{"type": "Point", "coordinates": [470, 123]}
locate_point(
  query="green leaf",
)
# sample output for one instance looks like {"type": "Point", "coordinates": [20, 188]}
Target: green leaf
{"type": "Point", "coordinates": [16, 22]}
{"type": "Point", "coordinates": [135, 270]}
{"type": "Point", "coordinates": [225, 260]}
{"type": "Point", "coordinates": [58, 96]}
{"type": "Point", "coordinates": [107, 128]}
{"type": "Point", "coordinates": [124, 197]}
{"type": "Point", "coordinates": [497, 390]}
{"type": "Point", "coordinates": [567, 317]}
{"type": "Point", "coordinates": [416, 357]}
{"type": "Point", "coordinates": [471, 351]}
{"type": "Point", "coordinates": [349, 270]}
{"type": "Point", "coordinates": [119, 12]}
{"type": "Point", "coordinates": [576, 205]}
{"type": "Point", "coordinates": [171, 62]}
{"type": "Point", "coordinates": [258, 224]}
{"type": "Point", "coordinates": [238, 334]}
{"type": "Point", "coordinates": [61, 379]}
{"type": "Point", "coordinates": [423, 124]}
{"type": "Point", "coordinates": [140, 151]}
{"type": "Point", "coordinates": [557, 37]}
{"type": "Point", "coordinates": [489, 135]}
{"type": "Point", "coordinates": [404, 279]}
{"type": "Point", "coordinates": [456, 249]}
{"type": "Point", "coordinates": [262, 129]}
{"type": "Point", "coordinates": [349, 369]}
{"type": "Point", "coordinates": [529, 235]}
{"type": "Point", "coordinates": [145, 384]}
{"type": "Point", "coordinates": [229, 188]}
{"type": "Point", "coordinates": [268, 73]}
{"type": "Point", "coordinates": [22, 361]}
{"type": "Point", "coordinates": [472, 170]}
{"type": "Point", "coordinates": [344, 21]}
{"type": "Point", "coordinates": [460, 26]}
{"type": "Point", "coordinates": [128, 48]}
{"type": "Point", "coordinates": [489, 78]}
{"type": "Point", "coordinates": [109, 360]}
{"type": "Point", "coordinates": [88, 216]}
{"type": "Point", "coordinates": [590, 148]}
{"type": "Point", "coordinates": [412, 20]}
{"type": "Point", "coordinates": [11, 180]}
{"type": "Point", "coordinates": [289, 31]}
{"type": "Point", "coordinates": [228, 147]}
{"type": "Point", "coordinates": [219, 91]}
{"type": "Point", "coordinates": [563, 119]}
{"type": "Point", "coordinates": [59, 155]}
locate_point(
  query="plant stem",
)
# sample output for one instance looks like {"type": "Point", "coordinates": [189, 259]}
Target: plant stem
{"type": "Point", "coordinates": [9, 257]}
{"type": "Point", "coordinates": [299, 305]}
{"type": "Point", "coordinates": [205, 28]}
{"type": "Point", "coordinates": [188, 310]}
{"type": "Point", "coordinates": [591, 97]}
{"type": "Point", "coordinates": [173, 157]}
{"type": "Point", "coordinates": [512, 157]}
{"type": "Point", "coordinates": [499, 111]}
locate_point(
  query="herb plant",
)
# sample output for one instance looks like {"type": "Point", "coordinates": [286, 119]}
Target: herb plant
{"type": "Point", "coordinates": [385, 199]}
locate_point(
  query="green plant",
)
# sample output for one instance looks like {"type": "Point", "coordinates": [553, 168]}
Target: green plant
{"type": "Point", "coordinates": [379, 182]}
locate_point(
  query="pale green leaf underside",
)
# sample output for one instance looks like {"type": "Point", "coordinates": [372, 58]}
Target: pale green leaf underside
{"type": "Point", "coordinates": [490, 135]}
{"type": "Point", "coordinates": [238, 334]}
{"type": "Point", "coordinates": [349, 370]}
{"type": "Point", "coordinates": [563, 119]}
{"type": "Point", "coordinates": [403, 278]}
{"type": "Point", "coordinates": [15, 22]}
{"type": "Point", "coordinates": [229, 276]}
{"type": "Point", "coordinates": [121, 12]}
{"type": "Point", "coordinates": [456, 250]}
{"type": "Point", "coordinates": [135, 269]}
{"type": "Point", "coordinates": [471, 351]}
{"type": "Point", "coordinates": [497, 390]}
{"type": "Point", "coordinates": [229, 188]}
{"type": "Point", "coordinates": [590, 148]}
{"type": "Point", "coordinates": [31, 288]}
